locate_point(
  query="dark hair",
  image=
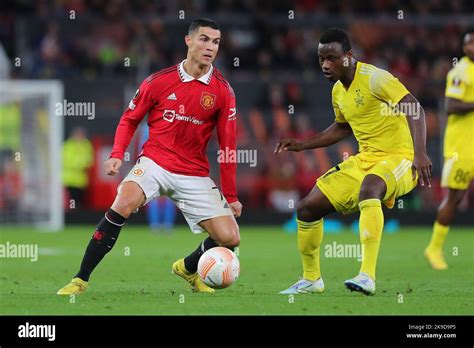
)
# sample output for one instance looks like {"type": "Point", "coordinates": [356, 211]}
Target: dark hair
{"type": "Point", "coordinates": [202, 22]}
{"type": "Point", "coordinates": [336, 35]}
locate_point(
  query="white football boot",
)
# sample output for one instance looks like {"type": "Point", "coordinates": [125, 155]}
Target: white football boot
{"type": "Point", "coordinates": [362, 283]}
{"type": "Point", "coordinates": [305, 286]}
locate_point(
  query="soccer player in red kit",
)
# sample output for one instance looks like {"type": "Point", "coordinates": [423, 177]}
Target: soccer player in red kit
{"type": "Point", "coordinates": [184, 103]}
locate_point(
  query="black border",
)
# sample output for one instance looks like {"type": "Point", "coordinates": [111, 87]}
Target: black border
{"type": "Point", "coordinates": [350, 331]}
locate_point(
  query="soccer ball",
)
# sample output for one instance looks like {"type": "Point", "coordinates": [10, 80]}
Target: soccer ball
{"type": "Point", "coordinates": [218, 267]}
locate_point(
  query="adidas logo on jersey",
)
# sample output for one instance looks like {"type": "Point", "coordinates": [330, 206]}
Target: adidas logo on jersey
{"type": "Point", "coordinates": [172, 96]}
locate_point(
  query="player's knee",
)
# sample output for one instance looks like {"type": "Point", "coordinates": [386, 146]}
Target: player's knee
{"type": "Point", "coordinates": [369, 192]}
{"type": "Point", "coordinates": [125, 206]}
{"type": "Point", "coordinates": [304, 213]}
{"type": "Point", "coordinates": [372, 187]}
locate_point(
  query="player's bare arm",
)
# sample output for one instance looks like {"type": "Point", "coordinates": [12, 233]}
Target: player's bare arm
{"type": "Point", "coordinates": [416, 121]}
{"type": "Point", "coordinates": [456, 106]}
{"type": "Point", "coordinates": [331, 135]}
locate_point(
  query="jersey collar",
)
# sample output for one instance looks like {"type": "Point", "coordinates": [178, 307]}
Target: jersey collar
{"type": "Point", "coordinates": [185, 77]}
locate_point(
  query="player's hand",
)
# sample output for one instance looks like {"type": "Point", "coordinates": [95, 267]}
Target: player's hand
{"type": "Point", "coordinates": [422, 165]}
{"type": "Point", "coordinates": [288, 144]}
{"type": "Point", "coordinates": [236, 208]}
{"type": "Point", "coordinates": [112, 166]}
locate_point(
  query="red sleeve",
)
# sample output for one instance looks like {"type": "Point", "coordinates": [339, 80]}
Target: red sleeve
{"type": "Point", "coordinates": [226, 134]}
{"type": "Point", "coordinates": [138, 107]}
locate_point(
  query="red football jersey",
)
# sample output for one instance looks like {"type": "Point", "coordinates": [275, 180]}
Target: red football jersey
{"type": "Point", "coordinates": [182, 112]}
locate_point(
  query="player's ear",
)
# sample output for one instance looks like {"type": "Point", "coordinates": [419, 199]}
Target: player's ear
{"type": "Point", "coordinates": [187, 40]}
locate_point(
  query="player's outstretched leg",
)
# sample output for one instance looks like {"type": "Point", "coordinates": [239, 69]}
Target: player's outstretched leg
{"type": "Point", "coordinates": [129, 198]}
{"type": "Point", "coordinates": [371, 221]}
{"type": "Point", "coordinates": [446, 212]}
{"type": "Point", "coordinates": [223, 231]}
{"type": "Point", "coordinates": [309, 217]}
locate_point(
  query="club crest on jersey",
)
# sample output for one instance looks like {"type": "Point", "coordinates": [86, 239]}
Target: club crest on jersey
{"type": "Point", "coordinates": [138, 172]}
{"type": "Point", "coordinates": [359, 99]}
{"type": "Point", "coordinates": [207, 100]}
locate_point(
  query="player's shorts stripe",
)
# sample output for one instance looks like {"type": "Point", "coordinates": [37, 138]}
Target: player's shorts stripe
{"type": "Point", "coordinates": [401, 167]}
{"type": "Point", "coordinates": [403, 173]}
{"type": "Point", "coordinates": [403, 170]}
{"type": "Point", "coordinates": [397, 169]}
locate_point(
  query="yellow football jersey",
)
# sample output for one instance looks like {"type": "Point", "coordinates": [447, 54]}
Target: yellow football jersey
{"type": "Point", "coordinates": [460, 128]}
{"type": "Point", "coordinates": [369, 107]}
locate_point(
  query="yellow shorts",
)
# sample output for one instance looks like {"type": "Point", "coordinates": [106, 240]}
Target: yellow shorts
{"type": "Point", "coordinates": [341, 184]}
{"type": "Point", "coordinates": [457, 173]}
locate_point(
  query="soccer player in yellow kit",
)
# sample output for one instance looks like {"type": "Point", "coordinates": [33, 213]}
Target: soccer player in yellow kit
{"type": "Point", "coordinates": [458, 170]}
{"type": "Point", "coordinates": [367, 102]}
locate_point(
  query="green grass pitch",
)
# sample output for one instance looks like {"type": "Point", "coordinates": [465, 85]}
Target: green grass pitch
{"type": "Point", "coordinates": [135, 277]}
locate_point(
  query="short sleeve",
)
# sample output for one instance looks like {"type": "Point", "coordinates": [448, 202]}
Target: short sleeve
{"type": "Point", "coordinates": [455, 86]}
{"type": "Point", "coordinates": [337, 111]}
{"type": "Point", "coordinates": [387, 87]}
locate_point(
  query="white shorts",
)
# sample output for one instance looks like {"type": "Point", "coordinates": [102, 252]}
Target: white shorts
{"type": "Point", "coordinates": [197, 197]}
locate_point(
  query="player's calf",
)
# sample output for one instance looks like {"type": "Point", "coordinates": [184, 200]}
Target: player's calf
{"type": "Point", "coordinates": [102, 241]}
{"type": "Point", "coordinates": [130, 197]}
{"type": "Point", "coordinates": [223, 231]}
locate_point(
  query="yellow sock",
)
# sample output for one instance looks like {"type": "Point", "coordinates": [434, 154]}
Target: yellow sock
{"type": "Point", "coordinates": [438, 237]}
{"type": "Point", "coordinates": [370, 228]}
{"type": "Point", "coordinates": [310, 235]}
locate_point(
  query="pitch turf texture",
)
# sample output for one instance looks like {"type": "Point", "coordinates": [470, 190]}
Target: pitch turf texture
{"type": "Point", "coordinates": [142, 284]}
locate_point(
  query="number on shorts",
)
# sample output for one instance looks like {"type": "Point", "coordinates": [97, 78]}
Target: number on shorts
{"type": "Point", "coordinates": [461, 176]}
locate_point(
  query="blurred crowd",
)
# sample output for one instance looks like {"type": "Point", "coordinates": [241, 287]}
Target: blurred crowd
{"type": "Point", "coordinates": [262, 40]}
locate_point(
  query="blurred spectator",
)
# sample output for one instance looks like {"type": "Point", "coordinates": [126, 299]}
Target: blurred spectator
{"type": "Point", "coordinates": [78, 157]}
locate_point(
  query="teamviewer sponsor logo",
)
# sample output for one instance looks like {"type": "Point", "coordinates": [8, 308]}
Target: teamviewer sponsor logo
{"type": "Point", "coordinates": [168, 115]}
{"type": "Point", "coordinates": [37, 331]}
{"type": "Point", "coordinates": [171, 115]}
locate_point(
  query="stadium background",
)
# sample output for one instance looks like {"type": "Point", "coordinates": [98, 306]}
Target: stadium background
{"type": "Point", "coordinates": [268, 53]}
{"type": "Point", "coordinates": [277, 68]}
